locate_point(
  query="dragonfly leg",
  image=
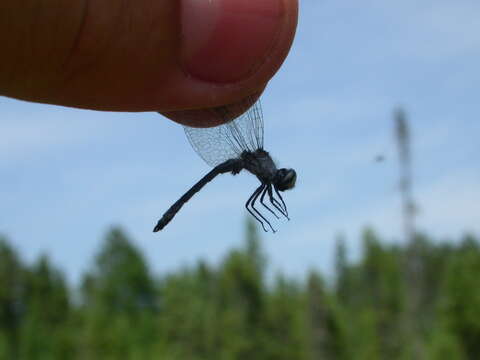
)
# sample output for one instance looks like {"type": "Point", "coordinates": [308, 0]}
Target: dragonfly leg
{"type": "Point", "coordinates": [260, 188]}
{"type": "Point", "coordinates": [283, 203]}
{"type": "Point", "coordinates": [247, 204]}
{"type": "Point", "coordinates": [264, 192]}
{"type": "Point", "coordinates": [276, 204]}
{"type": "Point", "coordinates": [281, 199]}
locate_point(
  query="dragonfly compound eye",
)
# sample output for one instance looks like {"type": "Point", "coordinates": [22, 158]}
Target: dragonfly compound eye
{"type": "Point", "coordinates": [285, 179]}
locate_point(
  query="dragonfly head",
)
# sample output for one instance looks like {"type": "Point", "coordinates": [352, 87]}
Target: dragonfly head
{"type": "Point", "coordinates": [285, 179]}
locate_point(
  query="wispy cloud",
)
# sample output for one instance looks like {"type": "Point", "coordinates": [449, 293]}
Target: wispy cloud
{"type": "Point", "coordinates": [433, 30]}
{"type": "Point", "coordinates": [27, 129]}
{"type": "Point", "coordinates": [451, 204]}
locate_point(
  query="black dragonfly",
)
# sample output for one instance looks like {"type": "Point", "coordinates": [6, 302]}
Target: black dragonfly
{"type": "Point", "coordinates": [232, 147]}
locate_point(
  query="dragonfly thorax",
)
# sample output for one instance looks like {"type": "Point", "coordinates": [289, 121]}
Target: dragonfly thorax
{"type": "Point", "coordinates": [260, 163]}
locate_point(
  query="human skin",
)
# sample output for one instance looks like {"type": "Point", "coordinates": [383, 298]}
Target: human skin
{"type": "Point", "coordinates": [182, 58]}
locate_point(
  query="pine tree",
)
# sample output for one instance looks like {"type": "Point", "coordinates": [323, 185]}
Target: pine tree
{"type": "Point", "coordinates": [46, 331]}
{"type": "Point", "coordinates": [327, 328]}
{"type": "Point", "coordinates": [119, 302]}
{"type": "Point", "coordinates": [12, 300]}
{"type": "Point", "coordinates": [460, 309]}
{"type": "Point", "coordinates": [241, 300]}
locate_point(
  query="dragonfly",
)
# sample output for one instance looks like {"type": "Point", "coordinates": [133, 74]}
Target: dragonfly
{"type": "Point", "coordinates": [230, 148]}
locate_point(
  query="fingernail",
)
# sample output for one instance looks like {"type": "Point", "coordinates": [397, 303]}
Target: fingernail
{"type": "Point", "coordinates": [212, 116]}
{"type": "Point", "coordinates": [228, 40]}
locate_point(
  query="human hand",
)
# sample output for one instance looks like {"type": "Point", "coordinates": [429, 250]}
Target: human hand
{"type": "Point", "coordinates": [181, 58]}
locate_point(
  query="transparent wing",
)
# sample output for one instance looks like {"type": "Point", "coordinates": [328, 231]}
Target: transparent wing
{"type": "Point", "coordinates": [218, 144]}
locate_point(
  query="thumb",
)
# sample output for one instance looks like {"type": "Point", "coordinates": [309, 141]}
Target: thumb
{"type": "Point", "coordinates": [143, 55]}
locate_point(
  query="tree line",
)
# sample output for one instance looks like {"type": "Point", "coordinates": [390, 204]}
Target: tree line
{"type": "Point", "coordinates": [231, 311]}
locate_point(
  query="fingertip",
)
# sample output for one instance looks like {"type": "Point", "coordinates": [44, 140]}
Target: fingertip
{"type": "Point", "coordinates": [213, 79]}
{"type": "Point", "coordinates": [212, 116]}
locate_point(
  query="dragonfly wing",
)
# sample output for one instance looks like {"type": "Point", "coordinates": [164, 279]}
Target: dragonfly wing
{"type": "Point", "coordinates": [220, 143]}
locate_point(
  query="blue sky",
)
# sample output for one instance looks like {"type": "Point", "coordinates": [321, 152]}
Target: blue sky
{"type": "Point", "coordinates": [66, 175]}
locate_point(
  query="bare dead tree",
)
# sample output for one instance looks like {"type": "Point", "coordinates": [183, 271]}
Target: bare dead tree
{"type": "Point", "coordinates": [402, 135]}
{"type": "Point", "coordinates": [413, 262]}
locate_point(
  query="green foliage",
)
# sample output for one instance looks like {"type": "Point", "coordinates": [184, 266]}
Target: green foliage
{"type": "Point", "coordinates": [119, 302]}
{"type": "Point", "coordinates": [326, 321]}
{"type": "Point", "coordinates": [45, 330]}
{"type": "Point", "coordinates": [445, 346]}
{"type": "Point", "coordinates": [12, 299]}
{"type": "Point", "coordinates": [461, 297]}
{"type": "Point", "coordinates": [231, 311]}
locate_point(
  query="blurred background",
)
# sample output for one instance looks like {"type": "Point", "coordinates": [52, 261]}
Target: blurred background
{"type": "Point", "coordinates": [376, 108]}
